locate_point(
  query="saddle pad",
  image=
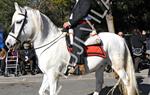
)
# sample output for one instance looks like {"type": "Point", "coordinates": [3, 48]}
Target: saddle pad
{"type": "Point", "coordinates": [95, 50]}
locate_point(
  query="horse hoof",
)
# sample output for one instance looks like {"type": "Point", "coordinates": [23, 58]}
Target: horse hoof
{"type": "Point", "coordinates": [91, 93]}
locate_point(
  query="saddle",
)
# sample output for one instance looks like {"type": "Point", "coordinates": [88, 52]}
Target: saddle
{"type": "Point", "coordinates": [93, 47]}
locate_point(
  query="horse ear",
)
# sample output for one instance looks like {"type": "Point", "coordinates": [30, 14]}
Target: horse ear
{"type": "Point", "coordinates": [17, 7]}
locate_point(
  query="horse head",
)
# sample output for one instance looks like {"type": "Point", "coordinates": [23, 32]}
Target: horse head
{"type": "Point", "coordinates": [23, 25]}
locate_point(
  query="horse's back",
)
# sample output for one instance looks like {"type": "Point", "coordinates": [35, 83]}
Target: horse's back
{"type": "Point", "coordinates": [111, 40]}
{"type": "Point", "coordinates": [114, 45]}
{"type": "Point", "coordinates": [109, 36]}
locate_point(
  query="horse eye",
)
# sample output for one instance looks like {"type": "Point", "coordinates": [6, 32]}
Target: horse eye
{"type": "Point", "coordinates": [18, 22]}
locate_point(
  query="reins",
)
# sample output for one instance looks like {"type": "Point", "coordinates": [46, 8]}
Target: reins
{"type": "Point", "coordinates": [56, 39]}
{"type": "Point", "coordinates": [50, 43]}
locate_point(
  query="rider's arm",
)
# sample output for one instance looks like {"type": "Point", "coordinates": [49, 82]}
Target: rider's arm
{"type": "Point", "coordinates": [81, 12]}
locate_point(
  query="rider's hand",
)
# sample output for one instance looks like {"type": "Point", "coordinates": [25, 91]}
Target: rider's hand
{"type": "Point", "coordinates": [66, 25]}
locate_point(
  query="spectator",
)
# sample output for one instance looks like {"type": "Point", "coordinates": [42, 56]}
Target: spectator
{"type": "Point", "coordinates": [148, 52]}
{"type": "Point", "coordinates": [121, 34]}
{"type": "Point", "coordinates": [137, 44]}
{"type": "Point", "coordinates": [136, 39]}
{"type": "Point", "coordinates": [12, 56]}
{"type": "Point", "coordinates": [12, 52]}
{"type": "Point", "coordinates": [27, 58]}
{"type": "Point", "coordinates": [2, 51]}
{"type": "Point", "coordinates": [1, 37]}
{"type": "Point", "coordinates": [2, 61]}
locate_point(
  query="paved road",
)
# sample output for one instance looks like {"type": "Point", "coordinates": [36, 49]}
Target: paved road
{"type": "Point", "coordinates": [76, 85]}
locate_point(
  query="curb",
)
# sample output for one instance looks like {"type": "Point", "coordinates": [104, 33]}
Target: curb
{"type": "Point", "coordinates": [38, 77]}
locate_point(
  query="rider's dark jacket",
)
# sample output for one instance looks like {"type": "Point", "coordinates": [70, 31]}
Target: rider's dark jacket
{"type": "Point", "coordinates": [79, 12]}
{"type": "Point", "coordinates": [82, 9]}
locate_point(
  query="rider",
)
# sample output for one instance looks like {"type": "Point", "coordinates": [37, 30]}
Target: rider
{"type": "Point", "coordinates": [78, 21]}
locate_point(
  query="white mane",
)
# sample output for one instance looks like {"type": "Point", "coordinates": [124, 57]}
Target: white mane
{"type": "Point", "coordinates": [36, 17]}
{"type": "Point", "coordinates": [44, 28]}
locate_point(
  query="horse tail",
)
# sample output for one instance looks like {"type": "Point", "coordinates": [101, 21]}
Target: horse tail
{"type": "Point", "coordinates": [131, 89]}
{"type": "Point", "coordinates": [122, 64]}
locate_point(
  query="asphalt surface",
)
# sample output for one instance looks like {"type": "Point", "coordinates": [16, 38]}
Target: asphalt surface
{"type": "Point", "coordinates": [74, 85]}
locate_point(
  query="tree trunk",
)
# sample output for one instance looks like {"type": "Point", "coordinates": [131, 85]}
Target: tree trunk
{"type": "Point", "coordinates": [110, 23]}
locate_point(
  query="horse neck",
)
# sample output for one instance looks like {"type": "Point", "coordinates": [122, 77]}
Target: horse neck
{"type": "Point", "coordinates": [48, 32]}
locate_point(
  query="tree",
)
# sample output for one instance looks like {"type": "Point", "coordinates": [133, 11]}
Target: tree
{"type": "Point", "coordinates": [127, 13]}
{"type": "Point", "coordinates": [131, 14]}
{"type": "Point", "coordinates": [56, 10]}
{"type": "Point", "coordinates": [7, 10]}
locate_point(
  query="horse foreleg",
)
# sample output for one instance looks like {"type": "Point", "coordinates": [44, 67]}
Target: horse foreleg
{"type": "Point", "coordinates": [53, 82]}
{"type": "Point", "coordinates": [99, 80]}
{"type": "Point", "coordinates": [44, 86]}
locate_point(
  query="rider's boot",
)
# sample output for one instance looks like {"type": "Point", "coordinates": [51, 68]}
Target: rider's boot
{"type": "Point", "coordinates": [82, 68]}
{"type": "Point", "coordinates": [70, 69]}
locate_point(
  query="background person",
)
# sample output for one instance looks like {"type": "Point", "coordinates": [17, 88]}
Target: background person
{"type": "Point", "coordinates": [137, 44]}
{"type": "Point", "coordinates": [121, 34]}
{"type": "Point", "coordinates": [27, 57]}
{"type": "Point", "coordinates": [148, 52]}
{"type": "Point", "coordinates": [2, 60]}
{"type": "Point", "coordinates": [2, 51]}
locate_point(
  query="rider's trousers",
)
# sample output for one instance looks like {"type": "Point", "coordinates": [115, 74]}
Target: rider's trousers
{"type": "Point", "coordinates": [81, 33]}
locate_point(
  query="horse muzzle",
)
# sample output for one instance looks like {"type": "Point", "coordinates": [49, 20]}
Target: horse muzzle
{"type": "Point", "coordinates": [10, 42]}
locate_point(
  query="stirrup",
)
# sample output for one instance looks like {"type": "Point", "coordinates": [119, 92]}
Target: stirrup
{"type": "Point", "coordinates": [70, 70]}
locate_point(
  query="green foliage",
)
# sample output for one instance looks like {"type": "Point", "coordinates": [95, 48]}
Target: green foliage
{"type": "Point", "coordinates": [131, 14]}
{"type": "Point", "coordinates": [127, 13]}
{"type": "Point", "coordinates": [57, 10]}
{"type": "Point", "coordinates": [7, 10]}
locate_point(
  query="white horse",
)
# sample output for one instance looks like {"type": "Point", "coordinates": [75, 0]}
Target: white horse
{"type": "Point", "coordinates": [53, 56]}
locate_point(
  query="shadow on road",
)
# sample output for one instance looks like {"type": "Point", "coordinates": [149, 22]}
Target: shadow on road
{"type": "Point", "coordinates": [106, 89]}
{"type": "Point", "coordinates": [144, 89]}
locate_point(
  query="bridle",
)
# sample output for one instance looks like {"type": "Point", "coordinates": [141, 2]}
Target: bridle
{"type": "Point", "coordinates": [22, 29]}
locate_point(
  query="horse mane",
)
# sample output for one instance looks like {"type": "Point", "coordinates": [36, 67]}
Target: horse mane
{"type": "Point", "coordinates": [35, 15]}
{"type": "Point", "coordinates": [42, 22]}
{"type": "Point", "coordinates": [39, 17]}
{"type": "Point", "coordinates": [43, 28]}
